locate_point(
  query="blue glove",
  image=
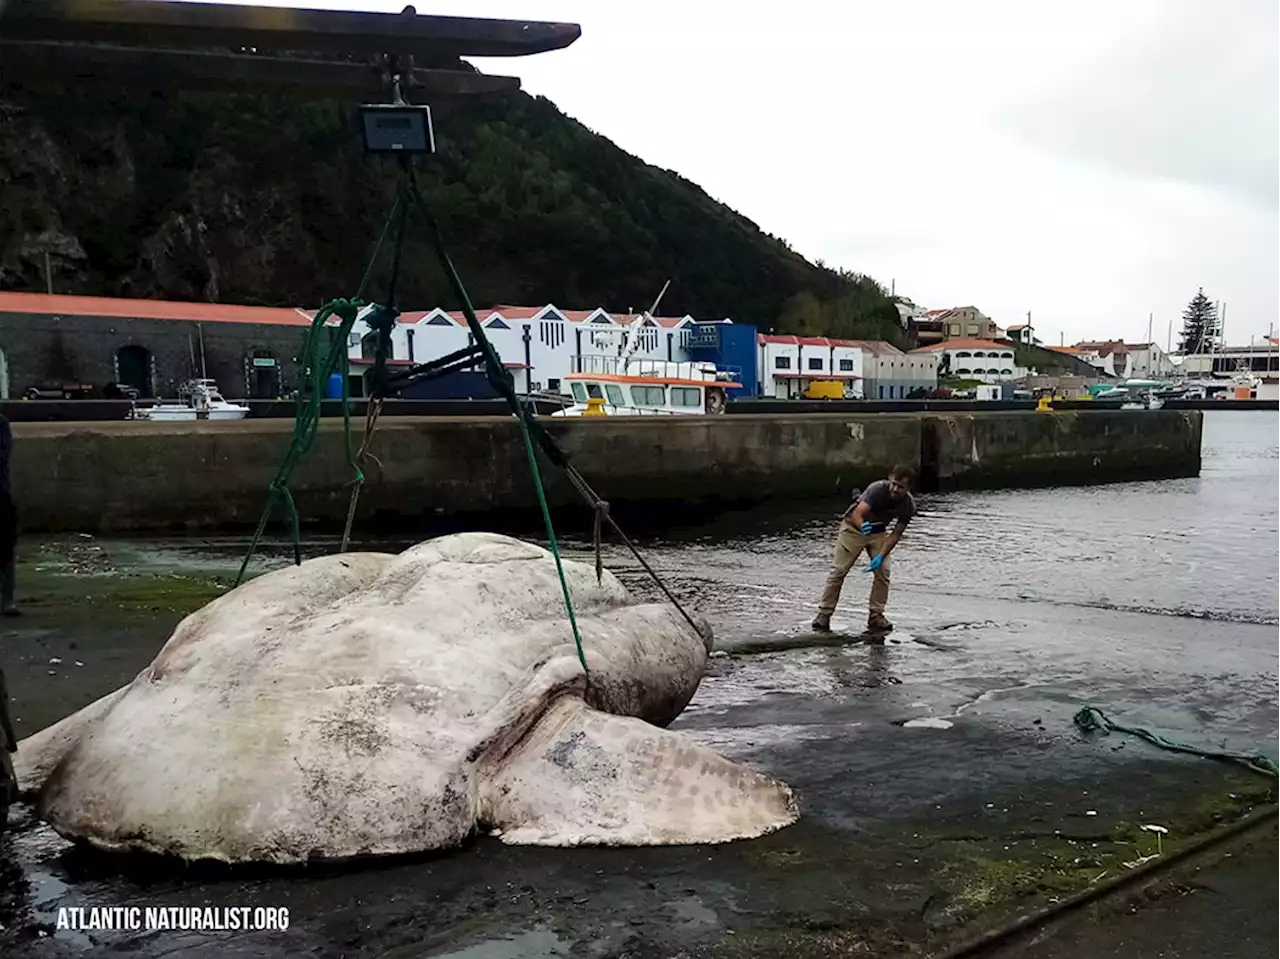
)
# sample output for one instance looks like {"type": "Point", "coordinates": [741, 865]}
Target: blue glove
{"type": "Point", "coordinates": [865, 528]}
{"type": "Point", "coordinates": [875, 564]}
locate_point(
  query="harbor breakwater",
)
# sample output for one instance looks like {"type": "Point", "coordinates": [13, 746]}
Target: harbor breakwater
{"type": "Point", "coordinates": [136, 477]}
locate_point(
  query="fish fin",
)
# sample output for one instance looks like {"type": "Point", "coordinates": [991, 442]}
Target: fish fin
{"type": "Point", "coordinates": [39, 754]}
{"type": "Point", "coordinates": [583, 777]}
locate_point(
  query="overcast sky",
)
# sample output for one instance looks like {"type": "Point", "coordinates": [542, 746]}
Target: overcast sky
{"type": "Point", "coordinates": [1091, 161]}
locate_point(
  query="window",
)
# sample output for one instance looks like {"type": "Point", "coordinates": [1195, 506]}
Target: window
{"type": "Point", "coordinates": [953, 329]}
{"type": "Point", "coordinates": [1007, 372]}
{"type": "Point", "coordinates": [497, 325]}
{"type": "Point", "coordinates": [353, 339]}
{"type": "Point", "coordinates": [882, 392]}
{"type": "Point", "coordinates": [846, 366]}
{"type": "Point", "coordinates": [963, 371]}
{"type": "Point", "coordinates": [615, 395]}
{"type": "Point", "coordinates": [649, 395]}
{"type": "Point", "coordinates": [686, 396]}
{"type": "Point", "coordinates": [815, 363]}
{"type": "Point", "coordinates": [782, 363]}
{"type": "Point", "coordinates": [1005, 356]}
{"type": "Point", "coordinates": [594, 391]}
{"type": "Point", "coordinates": [972, 329]}
{"type": "Point", "coordinates": [579, 392]}
{"type": "Point", "coordinates": [964, 354]}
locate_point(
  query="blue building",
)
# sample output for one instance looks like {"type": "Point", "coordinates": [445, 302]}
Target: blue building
{"type": "Point", "coordinates": [731, 347]}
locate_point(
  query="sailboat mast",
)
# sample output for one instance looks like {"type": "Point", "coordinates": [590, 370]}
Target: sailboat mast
{"type": "Point", "coordinates": [1150, 346]}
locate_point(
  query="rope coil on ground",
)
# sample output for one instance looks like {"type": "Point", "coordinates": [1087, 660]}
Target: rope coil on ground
{"type": "Point", "coordinates": [1090, 719]}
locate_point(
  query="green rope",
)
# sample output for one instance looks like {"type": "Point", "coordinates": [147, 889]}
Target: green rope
{"type": "Point", "coordinates": [501, 379]}
{"type": "Point", "coordinates": [315, 369]}
{"type": "Point", "coordinates": [1091, 718]}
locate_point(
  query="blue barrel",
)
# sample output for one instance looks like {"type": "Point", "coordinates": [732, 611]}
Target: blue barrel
{"type": "Point", "coordinates": [334, 392]}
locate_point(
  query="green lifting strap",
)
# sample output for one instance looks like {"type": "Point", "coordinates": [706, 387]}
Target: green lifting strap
{"type": "Point", "coordinates": [500, 378]}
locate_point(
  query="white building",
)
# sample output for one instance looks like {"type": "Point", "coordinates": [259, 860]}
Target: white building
{"type": "Point", "coordinates": [1123, 360]}
{"type": "Point", "coordinates": [1149, 361]}
{"type": "Point", "coordinates": [541, 344]}
{"type": "Point", "coordinates": [789, 364]}
{"type": "Point", "coordinates": [983, 360]}
{"type": "Point", "coordinates": [870, 369]}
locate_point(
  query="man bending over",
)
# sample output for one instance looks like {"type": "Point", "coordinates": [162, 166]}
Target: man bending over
{"type": "Point", "coordinates": [864, 527]}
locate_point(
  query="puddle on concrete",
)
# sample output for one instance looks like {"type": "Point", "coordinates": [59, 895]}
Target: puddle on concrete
{"type": "Point", "coordinates": [927, 722]}
{"type": "Point", "coordinates": [533, 944]}
{"type": "Point", "coordinates": [693, 915]}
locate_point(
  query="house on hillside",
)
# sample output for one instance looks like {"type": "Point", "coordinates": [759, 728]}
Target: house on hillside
{"type": "Point", "coordinates": [967, 322]}
{"type": "Point", "coordinates": [1022, 334]}
{"type": "Point", "coordinates": [974, 359]}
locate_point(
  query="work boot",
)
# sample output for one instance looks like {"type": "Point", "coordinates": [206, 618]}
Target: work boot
{"type": "Point", "coordinates": [822, 623]}
{"type": "Point", "coordinates": [877, 622]}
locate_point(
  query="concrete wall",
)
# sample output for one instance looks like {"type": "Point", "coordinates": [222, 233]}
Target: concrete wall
{"type": "Point", "coordinates": [138, 476]}
{"type": "Point", "coordinates": [133, 476]}
{"type": "Point", "coordinates": [1017, 449]}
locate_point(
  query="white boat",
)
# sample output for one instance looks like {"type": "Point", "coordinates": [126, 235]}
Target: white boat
{"type": "Point", "coordinates": [203, 402]}
{"type": "Point", "coordinates": [604, 385]}
{"type": "Point", "coordinates": [1141, 395]}
{"type": "Point", "coordinates": [610, 386]}
{"type": "Point", "coordinates": [1144, 401]}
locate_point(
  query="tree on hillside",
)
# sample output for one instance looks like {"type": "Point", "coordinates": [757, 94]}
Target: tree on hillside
{"type": "Point", "coordinates": [1199, 324]}
{"type": "Point", "coordinates": [852, 307]}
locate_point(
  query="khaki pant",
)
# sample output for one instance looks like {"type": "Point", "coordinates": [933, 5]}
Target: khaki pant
{"type": "Point", "coordinates": [849, 545]}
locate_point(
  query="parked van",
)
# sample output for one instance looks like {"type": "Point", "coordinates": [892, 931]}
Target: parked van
{"type": "Point", "coordinates": [825, 390]}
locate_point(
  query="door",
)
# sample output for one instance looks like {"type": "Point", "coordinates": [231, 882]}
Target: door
{"type": "Point", "coordinates": [133, 368]}
{"type": "Point", "coordinates": [264, 376]}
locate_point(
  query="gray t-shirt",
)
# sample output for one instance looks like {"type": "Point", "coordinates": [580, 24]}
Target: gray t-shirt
{"type": "Point", "coordinates": [883, 508]}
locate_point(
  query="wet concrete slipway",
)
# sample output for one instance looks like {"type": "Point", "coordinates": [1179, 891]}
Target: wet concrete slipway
{"type": "Point", "coordinates": [944, 786]}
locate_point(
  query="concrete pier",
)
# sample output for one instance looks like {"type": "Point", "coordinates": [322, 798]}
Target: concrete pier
{"type": "Point", "coordinates": [137, 477]}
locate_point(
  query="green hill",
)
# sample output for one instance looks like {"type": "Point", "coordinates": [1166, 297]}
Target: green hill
{"type": "Point", "coordinates": [259, 200]}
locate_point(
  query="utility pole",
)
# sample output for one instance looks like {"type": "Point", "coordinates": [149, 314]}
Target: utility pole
{"type": "Point", "coordinates": [48, 274]}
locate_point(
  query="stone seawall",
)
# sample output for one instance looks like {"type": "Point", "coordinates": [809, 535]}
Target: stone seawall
{"type": "Point", "coordinates": [964, 450]}
{"type": "Point", "coordinates": [121, 477]}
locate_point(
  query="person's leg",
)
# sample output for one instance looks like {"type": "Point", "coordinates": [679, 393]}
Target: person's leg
{"type": "Point", "coordinates": [879, 586]}
{"type": "Point", "coordinates": [849, 543]}
{"type": "Point", "coordinates": [8, 547]}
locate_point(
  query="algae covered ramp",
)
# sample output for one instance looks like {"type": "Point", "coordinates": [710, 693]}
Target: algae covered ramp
{"type": "Point", "coordinates": [133, 477]}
